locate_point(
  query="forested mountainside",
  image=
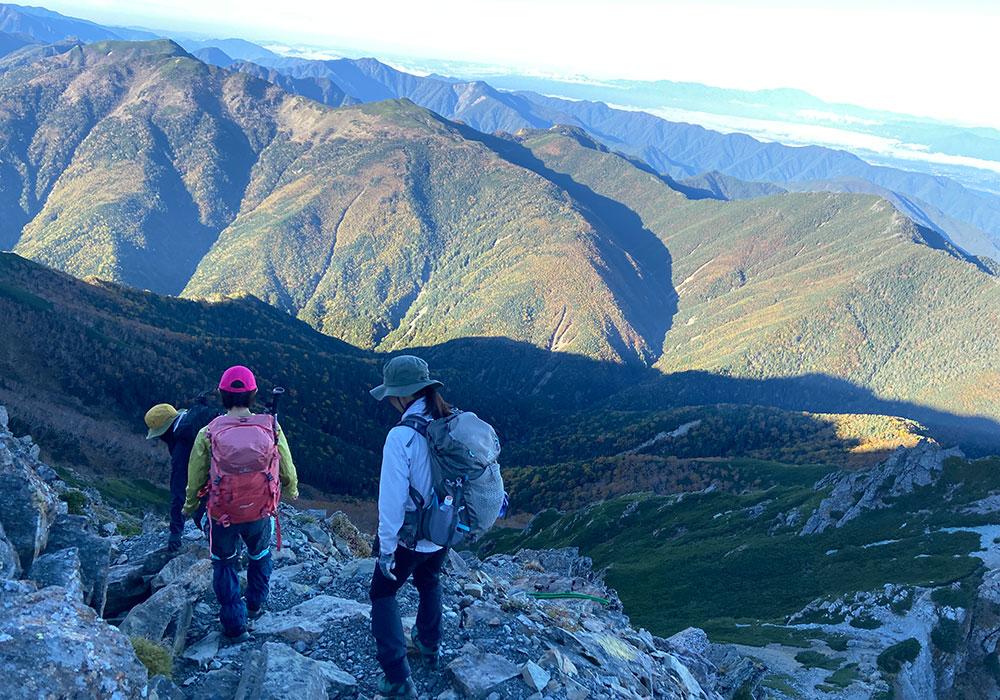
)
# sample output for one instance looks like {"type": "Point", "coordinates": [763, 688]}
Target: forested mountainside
{"type": "Point", "coordinates": [85, 359]}
{"type": "Point", "coordinates": [787, 285]}
{"type": "Point", "coordinates": [351, 214]}
{"type": "Point", "coordinates": [386, 226]}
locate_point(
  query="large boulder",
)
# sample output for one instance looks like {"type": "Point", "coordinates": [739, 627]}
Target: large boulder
{"type": "Point", "coordinates": [168, 612]}
{"type": "Point", "coordinates": [276, 671]}
{"type": "Point", "coordinates": [59, 568]}
{"type": "Point", "coordinates": [28, 506]}
{"type": "Point", "coordinates": [478, 675]}
{"type": "Point", "coordinates": [173, 570]}
{"type": "Point", "coordinates": [10, 562]}
{"type": "Point", "coordinates": [55, 647]}
{"type": "Point", "coordinates": [127, 587]}
{"type": "Point", "coordinates": [307, 621]}
{"type": "Point", "coordinates": [95, 556]}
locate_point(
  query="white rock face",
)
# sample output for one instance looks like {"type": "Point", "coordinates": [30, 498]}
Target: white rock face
{"type": "Point", "coordinates": [855, 492]}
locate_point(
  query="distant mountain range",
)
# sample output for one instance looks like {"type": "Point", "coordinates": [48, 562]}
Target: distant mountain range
{"type": "Point", "coordinates": [969, 219]}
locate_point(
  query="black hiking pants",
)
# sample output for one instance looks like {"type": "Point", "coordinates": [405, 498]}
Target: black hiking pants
{"type": "Point", "coordinates": [387, 627]}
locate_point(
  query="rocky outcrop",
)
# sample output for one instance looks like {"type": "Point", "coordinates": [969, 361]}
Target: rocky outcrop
{"type": "Point", "coordinates": [167, 615]}
{"type": "Point", "coordinates": [53, 646]}
{"type": "Point", "coordinates": [10, 562]}
{"type": "Point", "coordinates": [59, 568]}
{"type": "Point", "coordinates": [94, 552]}
{"type": "Point", "coordinates": [314, 640]}
{"type": "Point", "coordinates": [28, 505]}
{"type": "Point", "coordinates": [856, 492]}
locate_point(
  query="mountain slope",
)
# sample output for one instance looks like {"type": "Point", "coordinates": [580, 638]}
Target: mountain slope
{"type": "Point", "coordinates": [382, 225]}
{"type": "Point", "coordinates": [794, 284]}
{"type": "Point", "coordinates": [676, 149]}
{"type": "Point", "coordinates": [51, 27]}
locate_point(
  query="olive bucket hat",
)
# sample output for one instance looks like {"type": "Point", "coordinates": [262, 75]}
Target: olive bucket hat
{"type": "Point", "coordinates": [404, 375]}
{"type": "Point", "coordinates": [159, 418]}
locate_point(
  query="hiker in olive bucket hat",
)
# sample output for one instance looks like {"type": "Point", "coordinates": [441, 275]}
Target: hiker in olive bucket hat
{"type": "Point", "coordinates": [178, 429]}
{"type": "Point", "coordinates": [406, 468]}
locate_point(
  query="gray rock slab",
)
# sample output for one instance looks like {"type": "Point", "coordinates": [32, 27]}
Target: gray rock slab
{"type": "Point", "coordinates": [12, 590]}
{"type": "Point", "coordinates": [307, 621]}
{"type": "Point", "coordinates": [203, 651]}
{"type": "Point", "coordinates": [127, 587]}
{"type": "Point", "coordinates": [170, 608]}
{"type": "Point", "coordinates": [52, 646]}
{"type": "Point", "coordinates": [59, 568]}
{"type": "Point", "coordinates": [162, 688]}
{"type": "Point", "coordinates": [10, 562]}
{"type": "Point", "coordinates": [173, 570]}
{"type": "Point", "coordinates": [478, 675]}
{"type": "Point", "coordinates": [220, 684]}
{"type": "Point", "coordinates": [535, 676]}
{"type": "Point", "coordinates": [317, 535]}
{"type": "Point", "coordinates": [28, 506]}
{"type": "Point", "coordinates": [276, 672]}
{"type": "Point", "coordinates": [95, 556]}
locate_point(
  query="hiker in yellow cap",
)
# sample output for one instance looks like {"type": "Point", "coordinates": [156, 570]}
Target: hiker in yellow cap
{"type": "Point", "coordinates": [178, 429]}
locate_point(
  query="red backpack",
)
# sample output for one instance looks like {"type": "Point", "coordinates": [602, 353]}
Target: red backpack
{"type": "Point", "coordinates": [243, 483]}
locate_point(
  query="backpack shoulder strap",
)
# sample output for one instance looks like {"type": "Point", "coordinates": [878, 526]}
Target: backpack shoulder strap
{"type": "Point", "coordinates": [417, 423]}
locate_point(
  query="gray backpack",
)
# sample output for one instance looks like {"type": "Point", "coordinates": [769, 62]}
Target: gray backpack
{"type": "Point", "coordinates": [467, 493]}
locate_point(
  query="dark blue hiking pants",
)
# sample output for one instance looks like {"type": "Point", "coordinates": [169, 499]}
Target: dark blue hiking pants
{"type": "Point", "coordinates": [178, 492]}
{"type": "Point", "coordinates": [225, 562]}
{"type": "Point", "coordinates": [387, 628]}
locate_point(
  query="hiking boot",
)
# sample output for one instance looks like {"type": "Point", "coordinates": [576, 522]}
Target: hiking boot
{"type": "Point", "coordinates": [404, 689]}
{"type": "Point", "coordinates": [430, 655]}
{"type": "Point", "coordinates": [174, 543]}
{"type": "Point", "coordinates": [254, 613]}
{"type": "Point", "coordinates": [237, 636]}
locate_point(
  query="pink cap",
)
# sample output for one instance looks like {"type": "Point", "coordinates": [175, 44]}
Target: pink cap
{"type": "Point", "coordinates": [238, 380]}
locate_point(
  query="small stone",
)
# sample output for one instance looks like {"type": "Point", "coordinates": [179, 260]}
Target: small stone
{"type": "Point", "coordinates": [535, 676]}
{"type": "Point", "coordinates": [300, 646]}
{"type": "Point", "coordinates": [474, 589]}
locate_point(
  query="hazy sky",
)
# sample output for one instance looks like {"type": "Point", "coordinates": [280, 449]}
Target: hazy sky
{"type": "Point", "coordinates": [930, 58]}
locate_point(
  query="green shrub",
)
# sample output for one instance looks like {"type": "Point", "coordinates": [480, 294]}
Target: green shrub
{"type": "Point", "coordinates": [844, 676]}
{"type": "Point", "coordinates": [154, 657]}
{"type": "Point", "coordinates": [902, 606]}
{"type": "Point", "coordinates": [837, 642]}
{"type": "Point", "coordinates": [892, 659]}
{"type": "Point", "coordinates": [76, 501]}
{"type": "Point", "coordinates": [946, 636]}
{"type": "Point", "coordinates": [865, 622]}
{"type": "Point", "coordinates": [961, 597]}
{"type": "Point", "coordinates": [814, 659]}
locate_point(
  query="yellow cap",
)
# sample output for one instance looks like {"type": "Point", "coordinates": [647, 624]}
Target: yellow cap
{"type": "Point", "coordinates": [159, 418]}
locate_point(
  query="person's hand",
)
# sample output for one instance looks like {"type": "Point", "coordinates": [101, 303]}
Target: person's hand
{"type": "Point", "coordinates": [201, 521]}
{"type": "Point", "coordinates": [386, 562]}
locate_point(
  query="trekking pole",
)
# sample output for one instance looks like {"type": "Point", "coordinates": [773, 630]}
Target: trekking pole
{"type": "Point", "coordinates": [272, 405]}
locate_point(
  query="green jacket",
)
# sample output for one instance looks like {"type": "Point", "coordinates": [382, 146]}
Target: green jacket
{"type": "Point", "coordinates": [201, 459]}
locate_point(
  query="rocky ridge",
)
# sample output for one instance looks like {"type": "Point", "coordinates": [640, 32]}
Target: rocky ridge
{"type": "Point", "coordinates": [538, 624]}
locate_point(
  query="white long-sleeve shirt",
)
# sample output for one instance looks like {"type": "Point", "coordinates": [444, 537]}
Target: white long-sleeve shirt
{"type": "Point", "coordinates": [405, 462]}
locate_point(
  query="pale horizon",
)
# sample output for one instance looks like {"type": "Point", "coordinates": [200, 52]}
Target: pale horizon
{"type": "Point", "coordinates": [917, 58]}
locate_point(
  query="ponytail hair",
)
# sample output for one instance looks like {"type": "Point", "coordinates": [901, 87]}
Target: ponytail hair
{"type": "Point", "coordinates": [436, 405]}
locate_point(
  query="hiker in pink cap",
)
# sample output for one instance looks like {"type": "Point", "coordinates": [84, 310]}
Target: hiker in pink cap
{"type": "Point", "coordinates": [242, 462]}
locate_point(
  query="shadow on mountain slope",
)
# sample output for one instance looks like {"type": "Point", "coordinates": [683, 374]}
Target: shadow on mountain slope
{"type": "Point", "coordinates": [639, 266]}
{"type": "Point", "coordinates": [104, 353]}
